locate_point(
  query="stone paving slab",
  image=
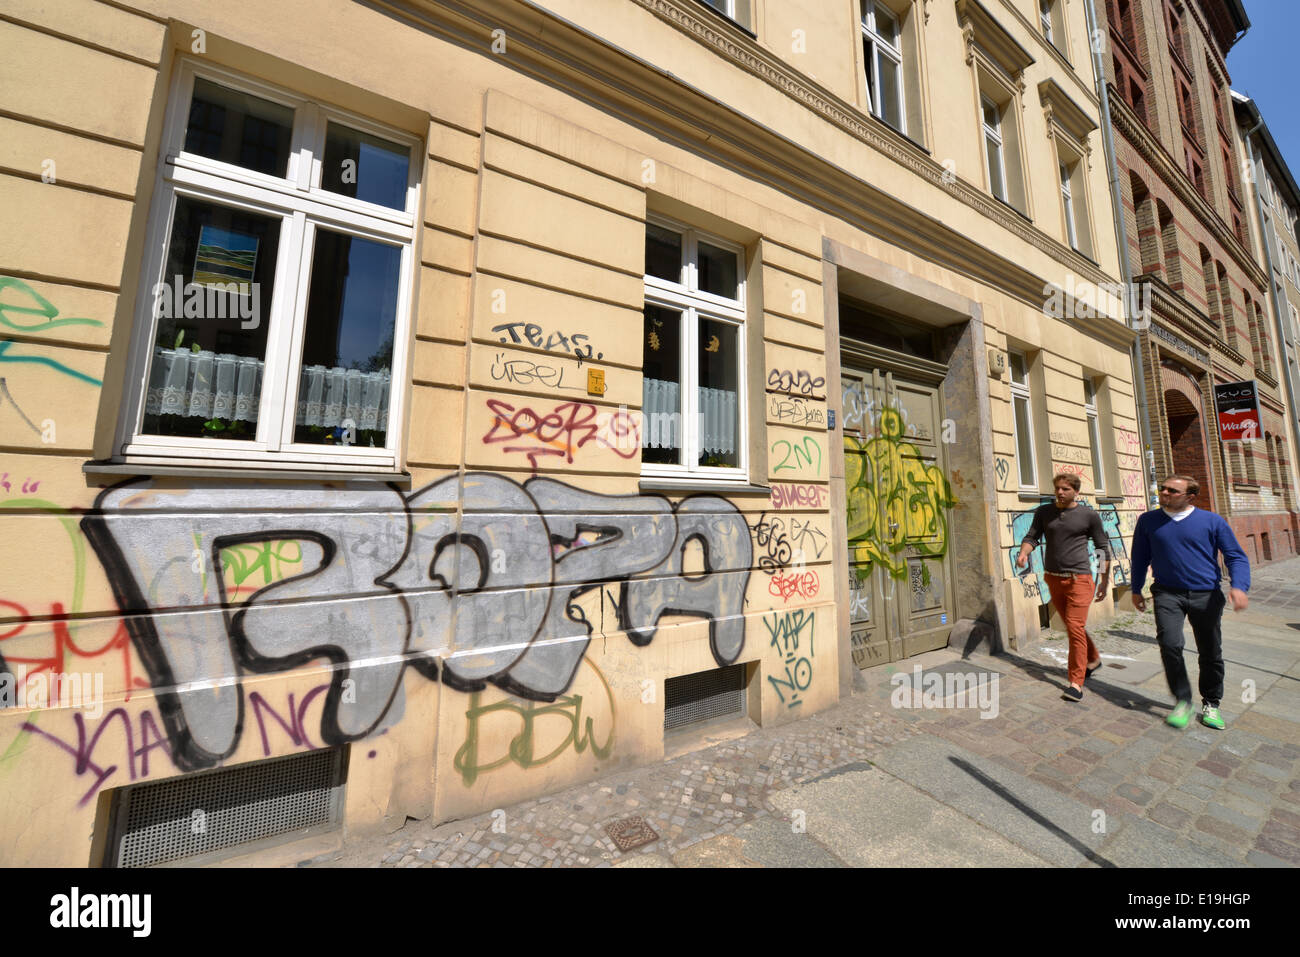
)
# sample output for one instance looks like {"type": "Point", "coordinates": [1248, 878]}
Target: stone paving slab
{"type": "Point", "coordinates": [870, 819]}
{"type": "Point", "coordinates": [1039, 819]}
{"type": "Point", "coordinates": [1018, 783]}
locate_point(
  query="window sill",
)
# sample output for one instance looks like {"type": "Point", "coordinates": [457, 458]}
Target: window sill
{"type": "Point", "coordinates": [652, 483]}
{"type": "Point", "coordinates": [114, 471]}
{"type": "Point", "coordinates": [1245, 487]}
{"type": "Point", "coordinates": [1026, 496]}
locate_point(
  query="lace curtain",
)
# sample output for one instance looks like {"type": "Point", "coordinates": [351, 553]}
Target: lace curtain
{"type": "Point", "coordinates": [223, 386]}
{"type": "Point", "coordinates": [661, 404]}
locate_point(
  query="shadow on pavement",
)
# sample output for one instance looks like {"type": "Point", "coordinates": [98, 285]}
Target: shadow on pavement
{"type": "Point", "coordinates": [1054, 675]}
{"type": "Point", "coordinates": [1029, 812]}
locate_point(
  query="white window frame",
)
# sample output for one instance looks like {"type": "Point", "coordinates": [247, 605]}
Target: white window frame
{"type": "Point", "coordinates": [686, 297]}
{"type": "Point", "coordinates": [994, 132]}
{"type": "Point", "coordinates": [728, 8]}
{"type": "Point", "coordinates": [303, 206]}
{"type": "Point", "coordinates": [1020, 390]}
{"type": "Point", "coordinates": [869, 25]}
{"type": "Point", "coordinates": [1071, 233]}
{"type": "Point", "coordinates": [1045, 19]}
{"type": "Point", "coordinates": [1094, 435]}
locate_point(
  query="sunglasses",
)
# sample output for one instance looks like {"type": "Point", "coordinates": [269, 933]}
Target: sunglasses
{"type": "Point", "coordinates": [1173, 491]}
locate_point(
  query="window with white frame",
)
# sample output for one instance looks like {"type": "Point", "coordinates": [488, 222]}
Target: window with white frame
{"type": "Point", "coordinates": [738, 10]}
{"type": "Point", "coordinates": [995, 156]}
{"type": "Point", "coordinates": [882, 56]}
{"type": "Point", "coordinates": [1045, 18]}
{"type": "Point", "coordinates": [1022, 417]}
{"type": "Point", "coordinates": [1094, 434]}
{"type": "Point", "coordinates": [1067, 201]}
{"type": "Point", "coordinates": [277, 298]}
{"type": "Point", "coordinates": [693, 355]}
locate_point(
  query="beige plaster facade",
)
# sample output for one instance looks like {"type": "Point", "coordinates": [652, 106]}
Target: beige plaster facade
{"type": "Point", "coordinates": [498, 603]}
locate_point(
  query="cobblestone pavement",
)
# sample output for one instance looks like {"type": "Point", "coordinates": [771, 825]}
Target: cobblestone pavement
{"type": "Point", "coordinates": [1190, 797]}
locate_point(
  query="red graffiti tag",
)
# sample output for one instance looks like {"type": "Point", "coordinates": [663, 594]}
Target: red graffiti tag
{"type": "Point", "coordinates": [787, 586]}
{"type": "Point", "coordinates": [63, 643]}
{"type": "Point", "coordinates": [562, 431]}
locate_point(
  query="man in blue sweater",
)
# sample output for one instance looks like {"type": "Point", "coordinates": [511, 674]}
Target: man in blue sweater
{"type": "Point", "coordinates": [1180, 542]}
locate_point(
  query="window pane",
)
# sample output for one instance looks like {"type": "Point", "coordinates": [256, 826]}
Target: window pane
{"type": "Point", "coordinates": [869, 58]}
{"type": "Point", "coordinates": [347, 350]}
{"type": "Point", "coordinates": [994, 151]}
{"type": "Point", "coordinates": [889, 90]}
{"type": "Point", "coordinates": [886, 26]}
{"type": "Point", "coordinates": [663, 253]}
{"type": "Point", "coordinates": [212, 306]}
{"type": "Point", "coordinates": [365, 167]}
{"type": "Point", "coordinates": [717, 271]}
{"type": "Point", "coordinates": [719, 392]}
{"type": "Point", "coordinates": [1094, 440]}
{"type": "Point", "coordinates": [990, 114]}
{"type": "Point", "coordinates": [239, 128]}
{"type": "Point", "coordinates": [1017, 367]}
{"type": "Point", "coordinates": [1024, 451]}
{"type": "Point", "coordinates": [661, 366]}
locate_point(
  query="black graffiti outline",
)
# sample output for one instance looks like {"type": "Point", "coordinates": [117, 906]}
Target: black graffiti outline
{"type": "Point", "coordinates": [139, 611]}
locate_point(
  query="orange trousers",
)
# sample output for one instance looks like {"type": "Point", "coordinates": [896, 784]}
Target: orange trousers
{"type": "Point", "coordinates": [1072, 597]}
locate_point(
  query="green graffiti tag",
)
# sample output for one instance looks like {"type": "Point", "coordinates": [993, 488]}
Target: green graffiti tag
{"type": "Point", "coordinates": [523, 746]}
{"type": "Point", "coordinates": [45, 314]}
{"type": "Point", "coordinates": [269, 558]}
{"type": "Point", "coordinates": [895, 500]}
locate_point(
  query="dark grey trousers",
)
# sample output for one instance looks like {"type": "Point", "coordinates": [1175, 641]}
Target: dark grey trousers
{"type": "Point", "coordinates": [1205, 611]}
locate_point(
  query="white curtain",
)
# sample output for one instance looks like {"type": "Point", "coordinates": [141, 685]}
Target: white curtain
{"type": "Point", "coordinates": [662, 407]}
{"type": "Point", "coordinates": [223, 386]}
{"type": "Point", "coordinates": [717, 421]}
{"type": "Point", "coordinates": [661, 404]}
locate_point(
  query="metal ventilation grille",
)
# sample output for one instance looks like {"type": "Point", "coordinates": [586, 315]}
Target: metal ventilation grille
{"type": "Point", "coordinates": [198, 814]}
{"type": "Point", "coordinates": [703, 696]}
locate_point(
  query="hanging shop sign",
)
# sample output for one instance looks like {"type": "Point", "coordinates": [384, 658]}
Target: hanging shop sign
{"type": "Point", "coordinates": [1237, 406]}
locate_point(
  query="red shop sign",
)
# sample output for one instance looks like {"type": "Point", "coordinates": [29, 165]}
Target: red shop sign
{"type": "Point", "coordinates": [1237, 406]}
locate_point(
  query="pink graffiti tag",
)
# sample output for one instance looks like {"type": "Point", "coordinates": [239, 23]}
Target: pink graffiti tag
{"type": "Point", "coordinates": [787, 586]}
{"type": "Point", "coordinates": [799, 496]}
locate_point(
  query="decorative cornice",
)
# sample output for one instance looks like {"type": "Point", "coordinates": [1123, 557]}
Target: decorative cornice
{"type": "Point", "coordinates": [1064, 112]}
{"type": "Point", "coordinates": [992, 37]}
{"type": "Point", "coordinates": [565, 56]}
{"type": "Point", "coordinates": [1162, 164]}
{"type": "Point", "coordinates": [750, 56]}
{"type": "Point", "coordinates": [1056, 54]}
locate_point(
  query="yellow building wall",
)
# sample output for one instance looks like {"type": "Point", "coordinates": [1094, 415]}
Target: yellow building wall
{"type": "Point", "coordinates": [534, 211]}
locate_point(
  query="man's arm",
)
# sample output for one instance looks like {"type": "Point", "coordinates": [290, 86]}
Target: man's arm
{"type": "Point", "coordinates": [1031, 539]}
{"type": "Point", "coordinates": [1102, 544]}
{"type": "Point", "coordinates": [1236, 560]}
{"type": "Point", "coordinates": [1139, 557]}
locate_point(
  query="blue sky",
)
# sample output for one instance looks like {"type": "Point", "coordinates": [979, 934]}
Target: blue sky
{"type": "Point", "coordinates": [1263, 66]}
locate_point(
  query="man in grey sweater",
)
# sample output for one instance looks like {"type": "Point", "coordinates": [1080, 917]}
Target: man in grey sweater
{"type": "Point", "coordinates": [1068, 525]}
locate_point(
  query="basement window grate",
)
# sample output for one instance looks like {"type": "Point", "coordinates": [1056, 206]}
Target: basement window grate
{"type": "Point", "coordinates": [201, 815]}
{"type": "Point", "coordinates": [704, 696]}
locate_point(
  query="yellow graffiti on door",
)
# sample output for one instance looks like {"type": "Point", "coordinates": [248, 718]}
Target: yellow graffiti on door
{"type": "Point", "coordinates": [895, 499]}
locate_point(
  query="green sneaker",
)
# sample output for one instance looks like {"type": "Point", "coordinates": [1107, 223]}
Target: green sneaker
{"type": "Point", "coordinates": [1181, 714]}
{"type": "Point", "coordinates": [1210, 717]}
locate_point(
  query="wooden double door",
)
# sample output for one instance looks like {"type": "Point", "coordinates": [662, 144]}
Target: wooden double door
{"type": "Point", "coordinates": [898, 510]}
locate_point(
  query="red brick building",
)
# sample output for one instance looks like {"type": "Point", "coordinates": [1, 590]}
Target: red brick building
{"type": "Point", "coordinates": [1180, 165]}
